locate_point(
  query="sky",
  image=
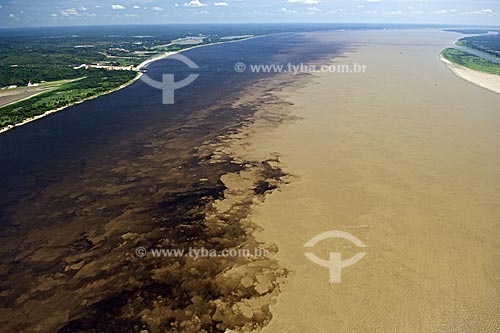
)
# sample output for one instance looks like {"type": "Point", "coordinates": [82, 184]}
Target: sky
{"type": "Point", "coordinates": [23, 13]}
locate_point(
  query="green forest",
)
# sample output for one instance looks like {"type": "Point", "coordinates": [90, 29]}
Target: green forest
{"type": "Point", "coordinates": [487, 43]}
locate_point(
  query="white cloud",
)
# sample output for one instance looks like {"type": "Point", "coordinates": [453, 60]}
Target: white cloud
{"type": "Point", "coordinates": [194, 3]}
{"type": "Point", "coordinates": [1, 6]}
{"type": "Point", "coordinates": [484, 12]}
{"type": "Point", "coordinates": [83, 8]}
{"type": "Point", "coordinates": [373, 0]}
{"type": "Point", "coordinates": [307, 2]}
{"type": "Point", "coordinates": [117, 7]}
{"type": "Point", "coordinates": [14, 17]}
{"type": "Point", "coordinates": [73, 12]}
{"type": "Point", "coordinates": [287, 11]}
{"type": "Point", "coordinates": [136, 7]}
{"type": "Point", "coordinates": [157, 9]}
{"type": "Point", "coordinates": [53, 15]}
{"type": "Point", "coordinates": [313, 9]}
{"type": "Point", "coordinates": [220, 4]}
{"type": "Point", "coordinates": [69, 12]}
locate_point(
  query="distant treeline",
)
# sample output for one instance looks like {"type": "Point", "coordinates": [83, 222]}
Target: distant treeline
{"type": "Point", "coordinates": [487, 43]}
{"type": "Point", "coordinates": [36, 61]}
{"type": "Point", "coordinates": [20, 76]}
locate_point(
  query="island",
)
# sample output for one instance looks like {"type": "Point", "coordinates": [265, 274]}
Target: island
{"type": "Point", "coordinates": [476, 58]}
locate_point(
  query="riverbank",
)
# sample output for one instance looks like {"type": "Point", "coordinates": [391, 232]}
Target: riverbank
{"type": "Point", "coordinates": [481, 79]}
{"type": "Point", "coordinates": [138, 76]}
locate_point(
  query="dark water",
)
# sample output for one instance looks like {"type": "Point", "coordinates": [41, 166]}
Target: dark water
{"type": "Point", "coordinates": [74, 184]}
{"type": "Point", "coordinates": [43, 151]}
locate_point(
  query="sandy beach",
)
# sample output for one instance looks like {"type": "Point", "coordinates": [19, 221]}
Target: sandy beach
{"type": "Point", "coordinates": [484, 80]}
{"type": "Point", "coordinates": [404, 157]}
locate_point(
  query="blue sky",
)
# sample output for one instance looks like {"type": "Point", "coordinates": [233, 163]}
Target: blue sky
{"type": "Point", "coordinates": [87, 12]}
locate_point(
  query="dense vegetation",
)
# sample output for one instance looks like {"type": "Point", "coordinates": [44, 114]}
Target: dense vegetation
{"type": "Point", "coordinates": [487, 43]}
{"type": "Point", "coordinates": [470, 61]}
{"type": "Point", "coordinates": [20, 76]}
{"type": "Point", "coordinates": [27, 60]}
{"type": "Point", "coordinates": [96, 82]}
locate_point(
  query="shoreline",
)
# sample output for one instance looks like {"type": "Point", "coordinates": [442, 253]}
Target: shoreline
{"type": "Point", "coordinates": [138, 76]}
{"type": "Point", "coordinates": [487, 81]}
